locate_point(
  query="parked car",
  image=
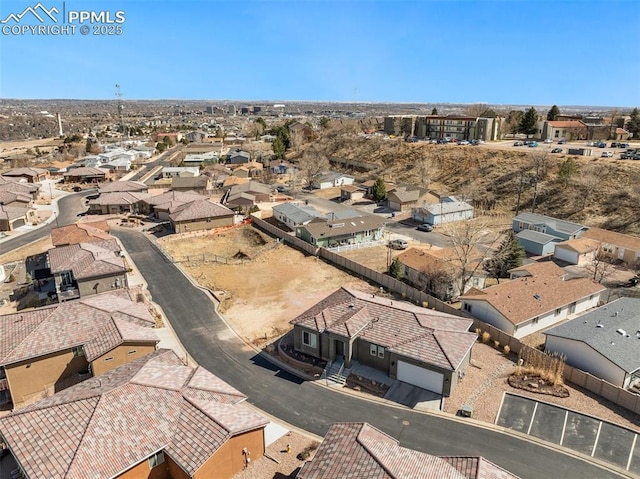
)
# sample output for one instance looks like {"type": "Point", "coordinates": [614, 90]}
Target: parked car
{"type": "Point", "coordinates": [556, 150]}
{"type": "Point", "coordinates": [533, 144]}
{"type": "Point", "coordinates": [280, 189]}
{"type": "Point", "coordinates": [623, 145]}
{"type": "Point", "coordinates": [562, 142]}
{"type": "Point", "coordinates": [463, 142]}
{"type": "Point", "coordinates": [614, 144]}
{"type": "Point", "coordinates": [548, 140]}
{"type": "Point", "coordinates": [425, 227]}
{"type": "Point", "coordinates": [398, 244]}
{"type": "Point", "coordinates": [601, 144]}
{"type": "Point", "coordinates": [626, 155]}
{"type": "Point", "coordinates": [607, 154]}
{"type": "Point", "coordinates": [518, 143]}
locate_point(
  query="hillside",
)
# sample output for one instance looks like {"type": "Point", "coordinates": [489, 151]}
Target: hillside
{"type": "Point", "coordinates": [602, 192]}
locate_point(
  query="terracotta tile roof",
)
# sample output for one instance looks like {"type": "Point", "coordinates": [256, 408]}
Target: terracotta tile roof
{"type": "Point", "coordinates": [118, 198]}
{"type": "Point", "coordinates": [79, 233]}
{"type": "Point", "coordinates": [106, 425]}
{"type": "Point", "coordinates": [360, 451]}
{"type": "Point", "coordinates": [87, 260]}
{"type": "Point", "coordinates": [199, 210]}
{"type": "Point", "coordinates": [525, 298]}
{"type": "Point", "coordinates": [429, 336]}
{"type": "Point", "coordinates": [8, 197]}
{"type": "Point", "coordinates": [25, 172]}
{"type": "Point", "coordinates": [579, 245]}
{"type": "Point", "coordinates": [84, 322]}
{"type": "Point", "coordinates": [172, 199]}
{"type": "Point", "coordinates": [119, 186]}
{"type": "Point", "coordinates": [85, 171]}
{"type": "Point", "coordinates": [12, 212]}
{"type": "Point", "coordinates": [611, 237]}
{"type": "Point", "coordinates": [15, 186]}
{"type": "Point", "coordinates": [567, 124]}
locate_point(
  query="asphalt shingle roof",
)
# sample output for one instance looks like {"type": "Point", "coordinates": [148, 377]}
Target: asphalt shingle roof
{"type": "Point", "coordinates": [299, 214]}
{"type": "Point", "coordinates": [108, 424]}
{"type": "Point", "coordinates": [558, 225]}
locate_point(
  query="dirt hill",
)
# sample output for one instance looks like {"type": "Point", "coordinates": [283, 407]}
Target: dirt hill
{"type": "Point", "coordinates": [601, 192]}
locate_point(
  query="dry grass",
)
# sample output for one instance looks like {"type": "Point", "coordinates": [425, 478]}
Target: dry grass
{"type": "Point", "coordinates": [20, 254]}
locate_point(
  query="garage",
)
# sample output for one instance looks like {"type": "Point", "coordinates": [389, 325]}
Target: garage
{"type": "Point", "coordinates": [567, 254]}
{"type": "Point", "coordinates": [421, 377]}
{"type": "Point", "coordinates": [18, 223]}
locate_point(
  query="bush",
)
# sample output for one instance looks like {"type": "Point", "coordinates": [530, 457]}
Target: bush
{"type": "Point", "coordinates": [496, 343]}
{"type": "Point", "coordinates": [486, 337]}
{"type": "Point", "coordinates": [507, 349]}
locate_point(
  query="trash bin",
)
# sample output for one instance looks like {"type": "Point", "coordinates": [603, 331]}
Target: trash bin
{"type": "Point", "coordinates": [466, 411]}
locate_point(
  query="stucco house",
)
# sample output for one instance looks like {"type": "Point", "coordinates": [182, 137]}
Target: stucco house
{"type": "Point", "coordinates": [360, 451]}
{"type": "Point", "coordinates": [198, 184]}
{"type": "Point", "coordinates": [120, 186]}
{"type": "Point", "coordinates": [352, 193]}
{"type": "Point", "coordinates": [339, 232]}
{"type": "Point", "coordinates": [11, 185]}
{"type": "Point", "coordinates": [404, 197]}
{"type": "Point", "coordinates": [47, 349]}
{"type": "Point", "coordinates": [332, 179]}
{"type": "Point", "coordinates": [31, 175]}
{"type": "Point", "coordinates": [84, 269]}
{"type": "Point", "coordinates": [603, 342]}
{"type": "Point", "coordinates": [12, 217]}
{"type": "Point", "coordinates": [448, 210]}
{"type": "Point", "coordinates": [419, 346]}
{"type": "Point", "coordinates": [118, 202]}
{"type": "Point", "coordinates": [88, 232]}
{"type": "Point", "coordinates": [162, 205]}
{"type": "Point", "coordinates": [85, 174]}
{"type": "Point", "coordinates": [540, 296]}
{"type": "Point", "coordinates": [438, 271]}
{"type": "Point", "coordinates": [152, 418]}
{"type": "Point", "coordinates": [200, 215]}
{"type": "Point", "coordinates": [616, 246]}
{"type": "Point", "coordinates": [180, 171]}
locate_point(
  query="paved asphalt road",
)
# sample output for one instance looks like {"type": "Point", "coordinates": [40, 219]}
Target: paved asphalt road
{"type": "Point", "coordinates": [69, 207]}
{"type": "Point", "coordinates": [313, 408]}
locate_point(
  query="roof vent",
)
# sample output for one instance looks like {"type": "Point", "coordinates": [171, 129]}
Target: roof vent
{"type": "Point", "coordinates": [537, 296]}
{"type": "Point", "coordinates": [351, 305]}
{"type": "Point", "coordinates": [621, 332]}
{"type": "Point", "coordinates": [599, 325]}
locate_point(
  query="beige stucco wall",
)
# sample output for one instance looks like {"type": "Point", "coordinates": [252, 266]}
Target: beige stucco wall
{"type": "Point", "coordinates": [183, 227]}
{"type": "Point", "coordinates": [123, 354]}
{"type": "Point", "coordinates": [101, 285]}
{"type": "Point", "coordinates": [229, 459]}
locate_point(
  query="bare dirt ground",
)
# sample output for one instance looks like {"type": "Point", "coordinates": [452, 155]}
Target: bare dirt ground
{"type": "Point", "coordinates": [262, 295]}
{"type": "Point", "coordinates": [19, 254]}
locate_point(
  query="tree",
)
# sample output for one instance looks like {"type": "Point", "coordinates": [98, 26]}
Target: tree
{"type": "Point", "coordinates": [161, 147]}
{"type": "Point", "coordinates": [489, 113]}
{"type": "Point", "coordinates": [424, 168]}
{"type": "Point", "coordinates": [476, 109]}
{"type": "Point", "coordinates": [600, 267]}
{"type": "Point", "coordinates": [512, 123]}
{"type": "Point", "coordinates": [260, 121]}
{"type": "Point", "coordinates": [168, 141]}
{"type": "Point", "coordinates": [509, 255]}
{"type": "Point", "coordinates": [379, 190]}
{"type": "Point", "coordinates": [434, 111]}
{"type": "Point", "coordinates": [396, 269]}
{"type": "Point", "coordinates": [568, 169]}
{"type": "Point", "coordinates": [633, 124]}
{"type": "Point", "coordinates": [312, 164]}
{"type": "Point", "coordinates": [279, 150]}
{"type": "Point", "coordinates": [528, 123]}
{"type": "Point", "coordinates": [324, 123]}
{"type": "Point", "coordinates": [553, 113]}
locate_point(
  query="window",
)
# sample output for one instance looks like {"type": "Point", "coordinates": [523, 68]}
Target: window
{"type": "Point", "coordinates": [467, 307]}
{"type": "Point", "coordinates": [66, 278]}
{"type": "Point", "coordinates": [77, 351]}
{"type": "Point", "coordinates": [380, 352]}
{"type": "Point", "coordinates": [375, 350]}
{"type": "Point", "coordinates": [156, 459]}
{"type": "Point", "coordinates": [558, 312]}
{"type": "Point", "coordinates": [110, 358]}
{"type": "Point", "coordinates": [535, 320]}
{"type": "Point", "coordinates": [309, 339]}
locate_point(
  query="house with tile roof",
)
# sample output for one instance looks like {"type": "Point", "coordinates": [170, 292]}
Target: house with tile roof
{"type": "Point", "coordinates": [541, 296]}
{"type": "Point", "coordinates": [153, 417]}
{"type": "Point", "coordinates": [360, 229]}
{"type": "Point", "coordinates": [200, 215]}
{"type": "Point", "coordinates": [88, 232]}
{"type": "Point", "coordinates": [47, 349]}
{"type": "Point", "coordinates": [404, 197]}
{"type": "Point", "coordinates": [419, 346]}
{"type": "Point", "coordinates": [120, 186]}
{"type": "Point", "coordinates": [118, 202]}
{"type": "Point", "coordinates": [17, 199]}
{"type": "Point", "coordinates": [197, 184]}
{"type": "Point", "coordinates": [12, 217]}
{"type": "Point", "coordinates": [438, 270]}
{"type": "Point", "coordinates": [85, 174]}
{"type": "Point", "coordinates": [31, 175]}
{"type": "Point", "coordinates": [84, 269]}
{"type": "Point", "coordinates": [616, 246]}
{"type": "Point", "coordinates": [360, 451]}
{"type": "Point", "coordinates": [247, 194]}
{"type": "Point", "coordinates": [18, 187]}
{"type": "Point", "coordinates": [538, 234]}
{"type": "Point", "coordinates": [603, 342]}
{"type": "Point", "coordinates": [162, 205]}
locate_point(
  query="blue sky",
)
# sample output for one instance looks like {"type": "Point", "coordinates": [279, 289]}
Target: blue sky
{"type": "Point", "coordinates": [501, 52]}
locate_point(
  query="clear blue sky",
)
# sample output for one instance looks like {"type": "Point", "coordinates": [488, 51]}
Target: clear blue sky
{"type": "Point", "coordinates": [502, 52]}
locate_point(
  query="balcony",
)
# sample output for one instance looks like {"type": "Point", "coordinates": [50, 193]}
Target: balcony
{"type": "Point", "coordinates": [69, 293]}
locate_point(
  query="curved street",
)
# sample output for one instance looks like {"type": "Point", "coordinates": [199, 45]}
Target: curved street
{"type": "Point", "coordinates": [311, 407]}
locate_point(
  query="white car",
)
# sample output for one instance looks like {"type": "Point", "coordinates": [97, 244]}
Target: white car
{"type": "Point", "coordinates": [548, 140]}
{"type": "Point", "coordinates": [607, 154]}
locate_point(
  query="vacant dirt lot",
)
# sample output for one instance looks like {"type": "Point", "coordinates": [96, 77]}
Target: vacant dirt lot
{"type": "Point", "coordinates": [260, 296]}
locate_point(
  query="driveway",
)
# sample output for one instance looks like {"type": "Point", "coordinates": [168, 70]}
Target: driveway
{"type": "Point", "coordinates": [312, 407]}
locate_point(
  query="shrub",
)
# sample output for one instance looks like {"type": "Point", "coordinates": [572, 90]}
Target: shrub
{"type": "Point", "coordinates": [486, 337]}
{"type": "Point", "coordinates": [496, 343]}
{"type": "Point", "coordinates": [507, 349]}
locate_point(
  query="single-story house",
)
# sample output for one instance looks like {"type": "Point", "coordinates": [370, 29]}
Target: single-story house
{"type": "Point", "coordinates": [12, 217]}
{"type": "Point", "coordinates": [118, 202]}
{"type": "Point", "coordinates": [536, 243]}
{"type": "Point", "coordinates": [438, 270]}
{"type": "Point", "coordinates": [579, 251]}
{"type": "Point", "coordinates": [118, 164]}
{"type": "Point", "coordinates": [16, 186]}
{"type": "Point", "coordinates": [88, 232]}
{"type": "Point", "coordinates": [253, 169]}
{"type": "Point", "coordinates": [238, 157]}
{"type": "Point", "coordinates": [153, 417]}
{"type": "Point", "coordinates": [369, 184]}
{"type": "Point", "coordinates": [404, 197]}
{"type": "Point", "coordinates": [47, 349]}
{"type": "Point", "coordinates": [294, 214]}
{"type": "Point", "coordinates": [85, 174]}
{"type": "Point", "coordinates": [616, 246]}
{"type": "Point", "coordinates": [16, 199]}
{"type": "Point", "coordinates": [246, 195]}
{"type": "Point", "coordinates": [121, 186]}
{"type": "Point", "coordinates": [31, 175]}
{"type": "Point", "coordinates": [197, 184]}
{"type": "Point", "coordinates": [339, 232]}
{"type": "Point", "coordinates": [602, 342]}
{"type": "Point", "coordinates": [351, 193]}
{"type": "Point", "coordinates": [55, 168]}
{"type": "Point", "coordinates": [84, 269]}
{"type": "Point", "coordinates": [564, 230]}
{"type": "Point", "coordinates": [162, 205]}
{"type": "Point", "coordinates": [180, 171]}
{"type": "Point", "coordinates": [448, 210]}
{"type": "Point", "coordinates": [419, 346]}
{"type": "Point", "coordinates": [358, 450]}
{"type": "Point", "coordinates": [541, 298]}
{"type": "Point", "coordinates": [175, 137]}
{"type": "Point", "coordinates": [199, 215]}
{"type": "Point", "coordinates": [332, 179]}
{"type": "Point", "coordinates": [279, 167]}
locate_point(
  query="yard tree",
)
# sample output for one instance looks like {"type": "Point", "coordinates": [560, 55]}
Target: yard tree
{"type": "Point", "coordinates": [396, 269]}
{"type": "Point", "coordinates": [553, 113]}
{"type": "Point", "coordinates": [279, 149]}
{"type": "Point", "coordinates": [379, 190]}
{"type": "Point", "coordinates": [528, 123]}
{"type": "Point", "coordinates": [312, 164]}
{"type": "Point", "coordinates": [512, 123]}
{"type": "Point", "coordinates": [600, 266]}
{"type": "Point", "coordinates": [424, 168]}
{"type": "Point", "coordinates": [633, 124]}
{"type": "Point", "coordinates": [509, 255]}
{"type": "Point", "coordinates": [568, 169]}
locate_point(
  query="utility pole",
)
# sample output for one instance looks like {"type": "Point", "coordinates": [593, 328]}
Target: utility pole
{"type": "Point", "coordinates": [120, 108]}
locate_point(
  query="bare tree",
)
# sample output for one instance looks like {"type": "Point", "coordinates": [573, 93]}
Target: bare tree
{"type": "Point", "coordinates": [436, 278]}
{"type": "Point", "coordinates": [312, 164]}
{"type": "Point", "coordinates": [425, 167]}
{"type": "Point", "coordinates": [472, 245]}
{"type": "Point", "coordinates": [477, 109]}
{"type": "Point", "coordinates": [600, 266]}
{"type": "Point", "coordinates": [589, 181]}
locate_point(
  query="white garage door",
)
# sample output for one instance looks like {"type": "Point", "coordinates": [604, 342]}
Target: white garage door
{"type": "Point", "coordinates": [566, 255]}
{"type": "Point", "coordinates": [421, 377]}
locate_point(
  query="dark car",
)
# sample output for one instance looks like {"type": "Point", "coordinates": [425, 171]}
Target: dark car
{"type": "Point", "coordinates": [280, 189]}
{"type": "Point", "coordinates": [556, 150]}
{"type": "Point", "coordinates": [614, 144]}
{"type": "Point", "coordinates": [425, 227]}
{"type": "Point", "coordinates": [562, 142]}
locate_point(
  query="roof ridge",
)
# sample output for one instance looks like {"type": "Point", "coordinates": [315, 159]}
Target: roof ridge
{"type": "Point", "coordinates": [84, 432]}
{"type": "Point", "coordinates": [444, 351]}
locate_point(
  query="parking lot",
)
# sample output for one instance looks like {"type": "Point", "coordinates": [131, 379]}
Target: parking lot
{"type": "Point", "coordinates": [584, 434]}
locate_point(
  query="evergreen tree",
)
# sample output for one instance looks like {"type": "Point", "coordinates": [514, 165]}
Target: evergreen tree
{"type": "Point", "coordinates": [567, 170]}
{"type": "Point", "coordinates": [509, 255]}
{"type": "Point", "coordinates": [528, 124]}
{"type": "Point", "coordinates": [553, 113]}
{"type": "Point", "coordinates": [434, 111]}
{"type": "Point", "coordinates": [396, 269]}
{"type": "Point", "coordinates": [633, 125]}
{"type": "Point", "coordinates": [379, 191]}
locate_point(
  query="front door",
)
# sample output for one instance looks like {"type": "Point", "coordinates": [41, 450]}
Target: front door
{"type": "Point", "coordinates": [339, 345]}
